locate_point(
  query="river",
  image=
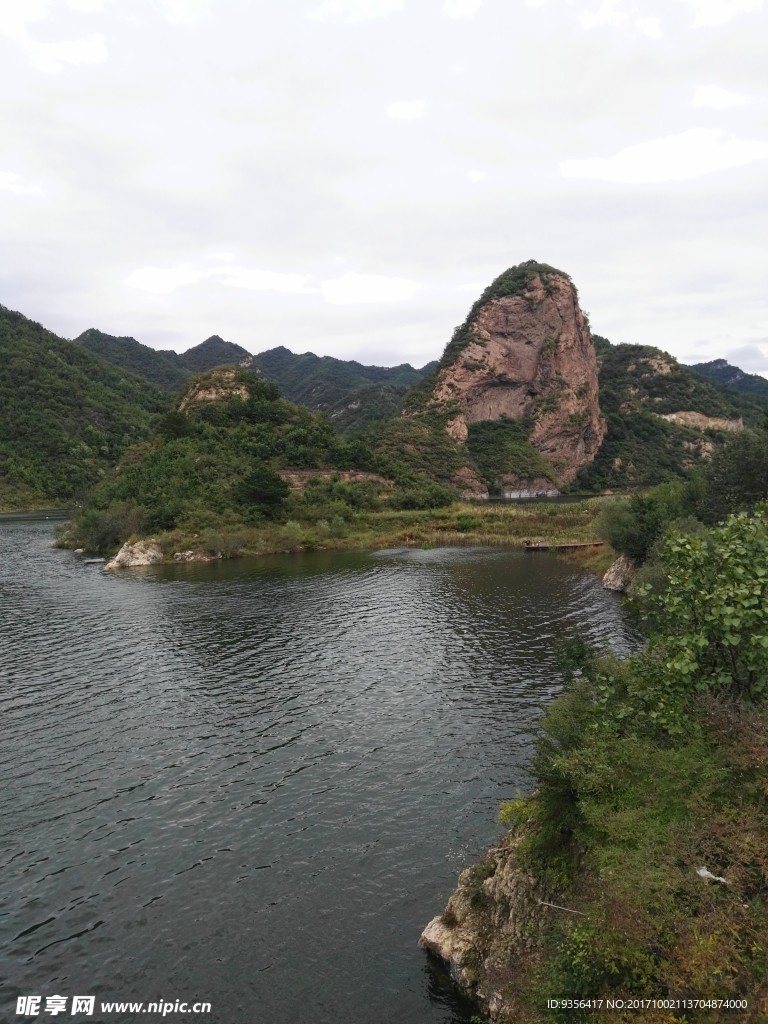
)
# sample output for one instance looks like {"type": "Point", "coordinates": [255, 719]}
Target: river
{"type": "Point", "coordinates": [253, 783]}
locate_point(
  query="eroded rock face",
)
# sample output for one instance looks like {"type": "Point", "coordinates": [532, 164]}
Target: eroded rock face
{"type": "Point", "coordinates": [298, 478]}
{"type": "Point", "coordinates": [143, 552]}
{"type": "Point", "coordinates": [689, 418]}
{"type": "Point", "coordinates": [489, 933]}
{"type": "Point", "coordinates": [514, 488]}
{"type": "Point", "coordinates": [530, 356]}
{"type": "Point", "coordinates": [468, 484]}
{"type": "Point", "coordinates": [217, 384]}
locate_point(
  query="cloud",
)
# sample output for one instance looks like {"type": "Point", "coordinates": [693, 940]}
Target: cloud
{"type": "Point", "coordinates": [10, 182]}
{"type": "Point", "coordinates": [751, 358]}
{"type": "Point", "coordinates": [356, 10]}
{"type": "Point", "coordinates": [48, 57]}
{"type": "Point", "coordinates": [51, 57]}
{"type": "Point", "coordinates": [462, 8]}
{"type": "Point", "coordinates": [650, 27]}
{"type": "Point", "coordinates": [186, 12]}
{"type": "Point", "coordinates": [610, 12]}
{"type": "Point", "coordinates": [716, 98]}
{"type": "Point", "coordinates": [351, 289]}
{"type": "Point", "coordinates": [475, 175]}
{"type": "Point", "coordinates": [406, 110]}
{"type": "Point", "coordinates": [164, 280]}
{"type": "Point", "coordinates": [711, 13]}
{"type": "Point", "coordinates": [682, 157]}
{"type": "Point", "coordinates": [263, 280]}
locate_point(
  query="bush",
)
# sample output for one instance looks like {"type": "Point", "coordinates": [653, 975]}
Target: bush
{"type": "Point", "coordinates": [736, 479]}
{"type": "Point", "coordinates": [712, 618]}
{"type": "Point", "coordinates": [422, 496]}
{"type": "Point", "coordinates": [633, 526]}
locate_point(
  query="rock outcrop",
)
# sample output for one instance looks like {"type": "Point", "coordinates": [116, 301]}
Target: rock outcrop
{"type": "Point", "coordinates": [691, 418]}
{"type": "Point", "coordinates": [468, 484]}
{"type": "Point", "coordinates": [620, 574]}
{"type": "Point", "coordinates": [143, 552]}
{"type": "Point", "coordinates": [212, 387]}
{"type": "Point", "coordinates": [525, 353]}
{"type": "Point", "coordinates": [489, 933]}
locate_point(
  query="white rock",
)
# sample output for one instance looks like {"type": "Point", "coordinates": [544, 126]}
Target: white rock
{"type": "Point", "coordinates": [620, 574]}
{"type": "Point", "coordinates": [143, 552]}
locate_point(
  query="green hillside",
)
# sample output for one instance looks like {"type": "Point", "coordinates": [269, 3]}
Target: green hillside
{"type": "Point", "coordinates": [214, 351]}
{"type": "Point", "coordinates": [352, 394]}
{"type": "Point", "coordinates": [166, 369]}
{"type": "Point", "coordinates": [640, 385]}
{"type": "Point", "coordinates": [723, 375]}
{"type": "Point", "coordinates": [214, 460]}
{"type": "Point", "coordinates": [65, 416]}
{"type": "Point", "coordinates": [160, 368]}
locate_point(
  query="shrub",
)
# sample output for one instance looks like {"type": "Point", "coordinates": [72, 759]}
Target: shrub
{"type": "Point", "coordinates": [422, 496]}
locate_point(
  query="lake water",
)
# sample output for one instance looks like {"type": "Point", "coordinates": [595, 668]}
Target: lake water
{"type": "Point", "coordinates": [253, 783]}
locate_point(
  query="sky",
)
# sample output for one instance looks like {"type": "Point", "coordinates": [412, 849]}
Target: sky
{"type": "Point", "coordinates": [346, 176]}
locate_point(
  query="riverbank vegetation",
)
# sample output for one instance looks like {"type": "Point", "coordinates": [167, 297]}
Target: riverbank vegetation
{"type": "Point", "coordinates": [651, 811]}
{"type": "Point", "coordinates": [649, 814]}
{"type": "Point", "coordinates": [343, 517]}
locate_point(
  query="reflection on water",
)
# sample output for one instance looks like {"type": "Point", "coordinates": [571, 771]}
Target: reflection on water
{"type": "Point", "coordinates": [253, 783]}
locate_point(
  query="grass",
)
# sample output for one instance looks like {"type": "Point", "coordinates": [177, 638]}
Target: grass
{"type": "Point", "coordinates": [460, 524]}
{"type": "Point", "coordinates": [652, 814]}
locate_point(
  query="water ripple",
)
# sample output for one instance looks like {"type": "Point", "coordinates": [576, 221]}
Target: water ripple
{"type": "Point", "coordinates": [253, 783]}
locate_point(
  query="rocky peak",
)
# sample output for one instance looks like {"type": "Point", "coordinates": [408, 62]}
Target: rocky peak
{"type": "Point", "coordinates": [525, 354]}
{"type": "Point", "coordinates": [213, 386]}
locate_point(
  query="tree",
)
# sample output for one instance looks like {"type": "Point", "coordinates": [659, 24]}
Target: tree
{"type": "Point", "coordinates": [737, 476]}
{"type": "Point", "coordinates": [711, 621]}
{"type": "Point", "coordinates": [263, 492]}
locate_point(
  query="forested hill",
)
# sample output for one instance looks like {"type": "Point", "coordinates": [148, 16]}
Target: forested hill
{"type": "Point", "coordinates": [350, 393]}
{"type": "Point", "coordinates": [721, 373]}
{"type": "Point", "coordinates": [663, 418]}
{"type": "Point", "coordinates": [65, 415]}
{"type": "Point", "coordinates": [164, 368]}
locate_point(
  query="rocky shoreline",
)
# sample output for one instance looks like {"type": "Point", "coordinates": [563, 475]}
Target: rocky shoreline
{"type": "Point", "coordinates": [489, 935]}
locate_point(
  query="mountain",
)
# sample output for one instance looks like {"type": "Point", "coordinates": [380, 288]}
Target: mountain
{"type": "Point", "coordinates": [721, 373]}
{"type": "Point", "coordinates": [214, 351]}
{"type": "Point", "coordinates": [158, 367]}
{"type": "Point", "coordinates": [662, 418]}
{"type": "Point", "coordinates": [164, 368]}
{"type": "Point", "coordinates": [352, 394]}
{"type": "Point", "coordinates": [65, 415]}
{"type": "Point", "coordinates": [517, 383]}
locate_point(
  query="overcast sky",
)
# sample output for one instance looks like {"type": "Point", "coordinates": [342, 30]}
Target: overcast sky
{"type": "Point", "coordinates": [345, 176]}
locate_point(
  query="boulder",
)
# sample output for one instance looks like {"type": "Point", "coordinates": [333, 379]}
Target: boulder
{"type": "Point", "coordinates": [142, 552]}
{"type": "Point", "coordinates": [620, 574]}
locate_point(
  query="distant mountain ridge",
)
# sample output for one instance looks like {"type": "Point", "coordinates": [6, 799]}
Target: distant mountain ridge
{"type": "Point", "coordinates": [164, 368]}
{"type": "Point", "coordinates": [351, 393]}
{"type": "Point", "coordinates": [663, 417]}
{"type": "Point", "coordinates": [724, 375]}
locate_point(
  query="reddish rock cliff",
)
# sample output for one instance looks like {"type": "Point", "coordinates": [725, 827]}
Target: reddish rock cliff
{"type": "Point", "coordinates": [527, 355]}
